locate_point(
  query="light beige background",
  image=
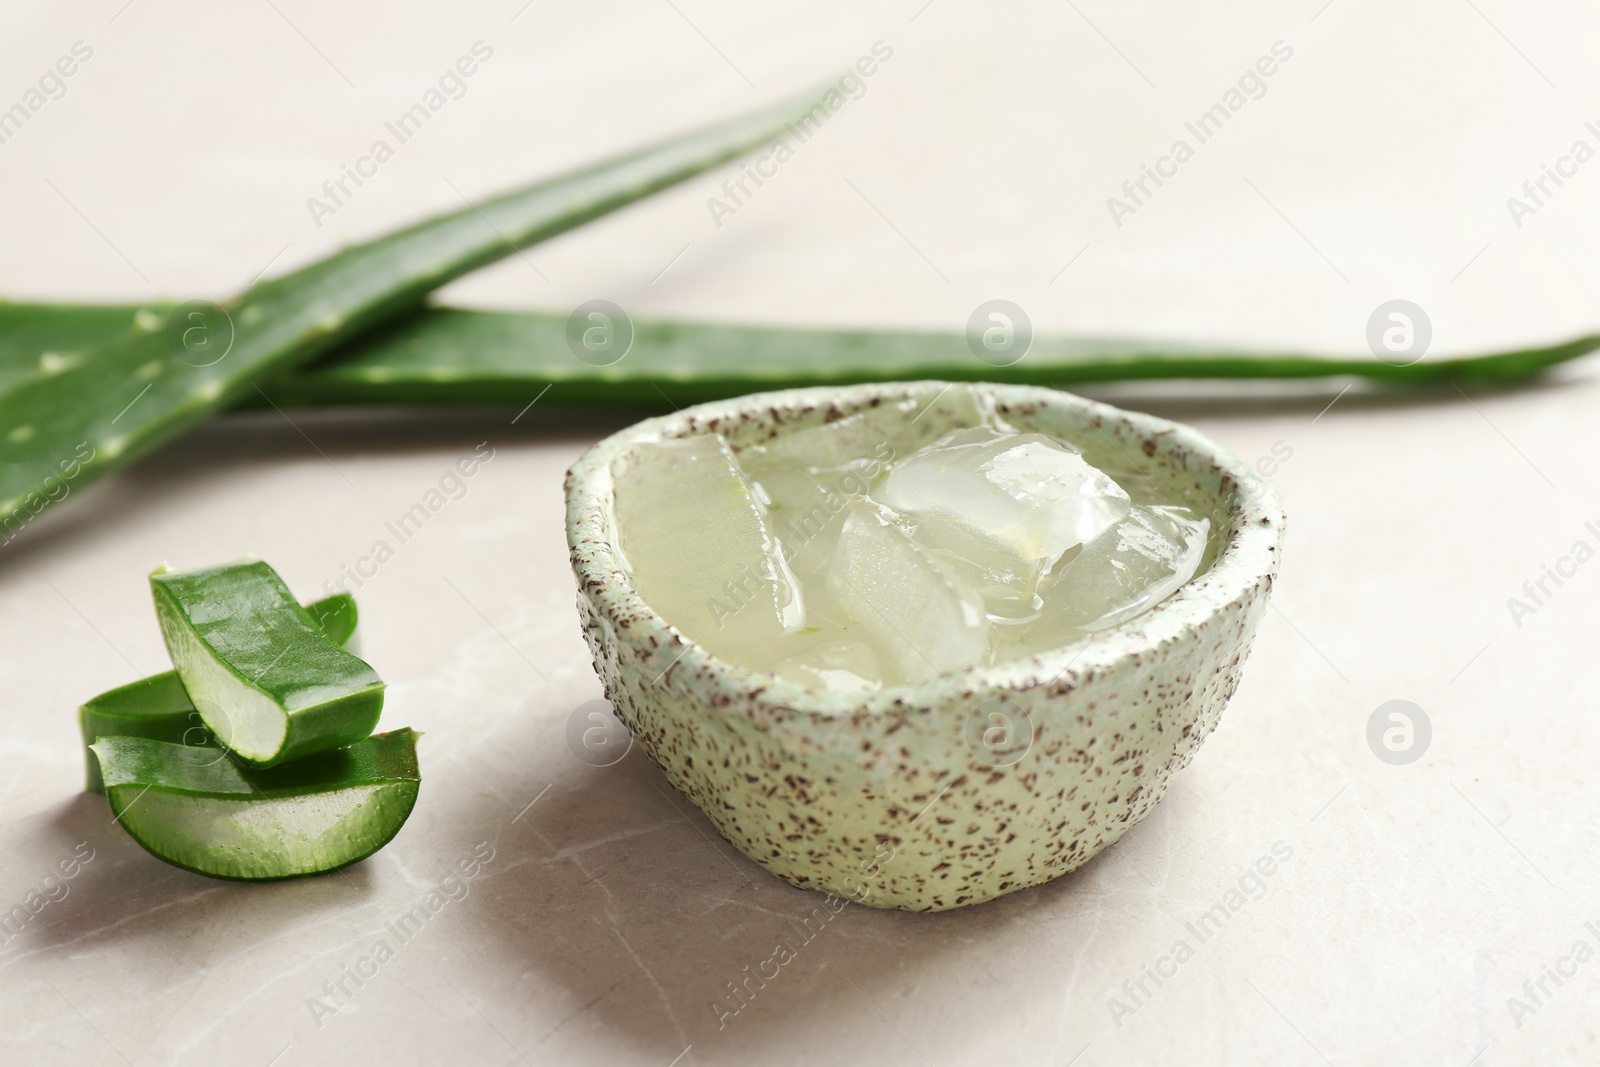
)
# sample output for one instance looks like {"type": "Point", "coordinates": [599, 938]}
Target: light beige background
{"type": "Point", "coordinates": [1418, 898]}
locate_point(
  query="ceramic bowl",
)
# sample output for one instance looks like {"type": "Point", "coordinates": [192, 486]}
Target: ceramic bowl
{"type": "Point", "coordinates": [975, 784]}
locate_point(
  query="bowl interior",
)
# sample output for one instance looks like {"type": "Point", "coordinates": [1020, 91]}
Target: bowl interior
{"type": "Point", "coordinates": [1156, 460]}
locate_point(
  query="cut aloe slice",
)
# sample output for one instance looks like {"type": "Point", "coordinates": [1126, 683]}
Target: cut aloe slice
{"type": "Point", "coordinates": [263, 676]}
{"type": "Point", "coordinates": [336, 616]}
{"type": "Point", "coordinates": [805, 512]}
{"type": "Point", "coordinates": [1123, 572]}
{"type": "Point", "coordinates": [920, 615]}
{"type": "Point", "coordinates": [697, 538]}
{"type": "Point", "coordinates": [1031, 496]}
{"type": "Point", "coordinates": [158, 708]}
{"type": "Point", "coordinates": [214, 817]}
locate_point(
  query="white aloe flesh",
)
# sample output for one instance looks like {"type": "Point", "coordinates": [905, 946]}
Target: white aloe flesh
{"type": "Point", "coordinates": [1124, 572]}
{"type": "Point", "coordinates": [263, 675]}
{"type": "Point", "coordinates": [1023, 493]}
{"type": "Point", "coordinates": [913, 607]}
{"type": "Point", "coordinates": [697, 538]}
{"type": "Point", "coordinates": [911, 553]}
{"type": "Point", "coordinates": [806, 510]}
{"type": "Point", "coordinates": [241, 717]}
{"type": "Point", "coordinates": [843, 666]}
{"type": "Point", "coordinates": [252, 839]}
{"type": "Point", "coordinates": [196, 808]}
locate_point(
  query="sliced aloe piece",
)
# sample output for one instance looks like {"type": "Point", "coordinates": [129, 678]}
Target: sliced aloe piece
{"type": "Point", "coordinates": [448, 355]}
{"type": "Point", "coordinates": [89, 417]}
{"type": "Point", "coordinates": [263, 676]}
{"type": "Point", "coordinates": [923, 619]}
{"type": "Point", "coordinates": [336, 616]}
{"type": "Point", "coordinates": [214, 817]}
{"type": "Point", "coordinates": [159, 708]}
{"type": "Point", "coordinates": [702, 549]}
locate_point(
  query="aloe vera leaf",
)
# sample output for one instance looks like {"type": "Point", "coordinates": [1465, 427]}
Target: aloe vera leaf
{"type": "Point", "coordinates": [336, 616]}
{"type": "Point", "coordinates": [267, 682]}
{"type": "Point", "coordinates": [159, 708]}
{"type": "Point", "coordinates": [217, 818]}
{"type": "Point", "coordinates": [449, 355]}
{"type": "Point", "coordinates": [132, 393]}
{"type": "Point", "coordinates": [41, 339]}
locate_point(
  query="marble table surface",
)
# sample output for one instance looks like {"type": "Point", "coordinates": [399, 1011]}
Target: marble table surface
{"type": "Point", "coordinates": [1433, 905]}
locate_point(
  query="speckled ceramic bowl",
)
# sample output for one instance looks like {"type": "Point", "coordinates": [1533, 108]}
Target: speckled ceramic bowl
{"type": "Point", "coordinates": [957, 790]}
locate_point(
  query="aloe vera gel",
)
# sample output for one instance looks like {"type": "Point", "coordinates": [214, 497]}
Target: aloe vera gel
{"type": "Point", "coordinates": [883, 548]}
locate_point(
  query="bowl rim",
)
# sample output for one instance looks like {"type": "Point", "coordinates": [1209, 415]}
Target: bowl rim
{"type": "Point", "coordinates": [1247, 558]}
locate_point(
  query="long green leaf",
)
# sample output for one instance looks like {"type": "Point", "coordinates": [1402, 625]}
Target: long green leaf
{"type": "Point", "coordinates": [38, 339]}
{"type": "Point", "coordinates": [445, 355]}
{"type": "Point", "coordinates": [85, 417]}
